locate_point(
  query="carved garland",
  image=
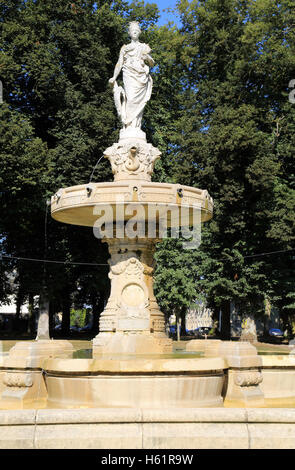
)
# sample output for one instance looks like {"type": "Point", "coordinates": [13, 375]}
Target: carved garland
{"type": "Point", "coordinates": [18, 380]}
{"type": "Point", "coordinates": [131, 267]}
{"type": "Point", "coordinates": [248, 378]}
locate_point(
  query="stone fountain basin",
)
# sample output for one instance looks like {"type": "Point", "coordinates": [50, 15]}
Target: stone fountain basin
{"type": "Point", "coordinates": [75, 205]}
{"type": "Point", "coordinates": [155, 383]}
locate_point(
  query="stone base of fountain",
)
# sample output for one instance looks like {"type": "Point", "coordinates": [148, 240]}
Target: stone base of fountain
{"type": "Point", "coordinates": [131, 343]}
{"type": "Point", "coordinates": [145, 383]}
{"type": "Point", "coordinates": [244, 374]}
{"type": "Point", "coordinates": [32, 353]}
{"type": "Point", "coordinates": [23, 383]}
{"type": "Point", "coordinates": [137, 428]}
{"type": "Point", "coordinates": [237, 379]}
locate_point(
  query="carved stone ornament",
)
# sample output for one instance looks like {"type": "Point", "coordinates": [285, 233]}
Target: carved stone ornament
{"type": "Point", "coordinates": [132, 159]}
{"type": "Point", "coordinates": [18, 380]}
{"type": "Point", "coordinates": [248, 378]}
{"type": "Point", "coordinates": [130, 267]}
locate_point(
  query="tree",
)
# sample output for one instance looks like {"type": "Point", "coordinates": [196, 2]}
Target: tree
{"type": "Point", "coordinates": [237, 76]}
{"type": "Point", "coordinates": [176, 278]}
{"type": "Point", "coordinates": [56, 58]}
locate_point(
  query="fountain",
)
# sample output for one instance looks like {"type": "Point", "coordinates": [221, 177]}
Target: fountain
{"type": "Point", "coordinates": [132, 342]}
{"type": "Point", "coordinates": [134, 392]}
{"type": "Point", "coordinates": [132, 321]}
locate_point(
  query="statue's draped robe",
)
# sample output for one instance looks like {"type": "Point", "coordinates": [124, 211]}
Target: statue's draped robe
{"type": "Point", "coordinates": [137, 83]}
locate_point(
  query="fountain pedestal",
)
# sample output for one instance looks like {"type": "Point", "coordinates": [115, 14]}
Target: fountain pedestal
{"type": "Point", "coordinates": [132, 321]}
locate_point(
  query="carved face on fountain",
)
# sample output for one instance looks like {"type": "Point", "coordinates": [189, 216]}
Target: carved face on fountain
{"type": "Point", "coordinates": [129, 159]}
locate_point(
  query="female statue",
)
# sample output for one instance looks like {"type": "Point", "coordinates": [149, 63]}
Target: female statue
{"type": "Point", "coordinates": [134, 61]}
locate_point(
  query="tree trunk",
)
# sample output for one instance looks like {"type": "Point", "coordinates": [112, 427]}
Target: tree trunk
{"type": "Point", "coordinates": [66, 315]}
{"type": "Point", "coordinates": [31, 313]}
{"type": "Point", "coordinates": [266, 317]}
{"type": "Point", "coordinates": [178, 320]}
{"type": "Point", "coordinates": [183, 321]}
{"type": "Point", "coordinates": [225, 321]}
{"type": "Point", "coordinates": [43, 320]}
{"type": "Point", "coordinates": [19, 303]}
{"type": "Point", "coordinates": [87, 316]}
{"type": "Point", "coordinates": [215, 319]}
{"type": "Point", "coordinates": [51, 317]}
{"type": "Point", "coordinates": [215, 314]}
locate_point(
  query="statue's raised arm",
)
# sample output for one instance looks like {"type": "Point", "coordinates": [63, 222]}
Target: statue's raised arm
{"type": "Point", "coordinates": [130, 100]}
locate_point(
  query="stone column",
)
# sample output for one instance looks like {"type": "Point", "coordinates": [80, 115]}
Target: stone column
{"type": "Point", "coordinates": [132, 321]}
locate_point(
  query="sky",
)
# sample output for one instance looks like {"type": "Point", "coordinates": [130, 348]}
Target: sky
{"type": "Point", "coordinates": [165, 16]}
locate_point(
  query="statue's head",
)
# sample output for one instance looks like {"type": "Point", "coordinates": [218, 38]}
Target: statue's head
{"type": "Point", "coordinates": [134, 29]}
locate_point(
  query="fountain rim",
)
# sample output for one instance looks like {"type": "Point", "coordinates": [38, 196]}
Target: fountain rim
{"type": "Point", "coordinates": [74, 205]}
{"type": "Point", "coordinates": [137, 366]}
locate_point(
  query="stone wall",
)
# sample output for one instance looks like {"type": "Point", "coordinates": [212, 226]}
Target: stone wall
{"type": "Point", "coordinates": [196, 428]}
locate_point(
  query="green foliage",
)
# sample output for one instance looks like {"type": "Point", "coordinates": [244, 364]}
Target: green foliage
{"type": "Point", "coordinates": [234, 137]}
{"type": "Point", "coordinates": [176, 276]}
{"type": "Point", "coordinates": [77, 317]}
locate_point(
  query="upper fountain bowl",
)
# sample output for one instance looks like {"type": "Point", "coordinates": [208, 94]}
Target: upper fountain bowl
{"type": "Point", "coordinates": [83, 204]}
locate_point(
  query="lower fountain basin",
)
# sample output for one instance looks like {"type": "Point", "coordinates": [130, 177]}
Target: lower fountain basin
{"type": "Point", "coordinates": [145, 383]}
